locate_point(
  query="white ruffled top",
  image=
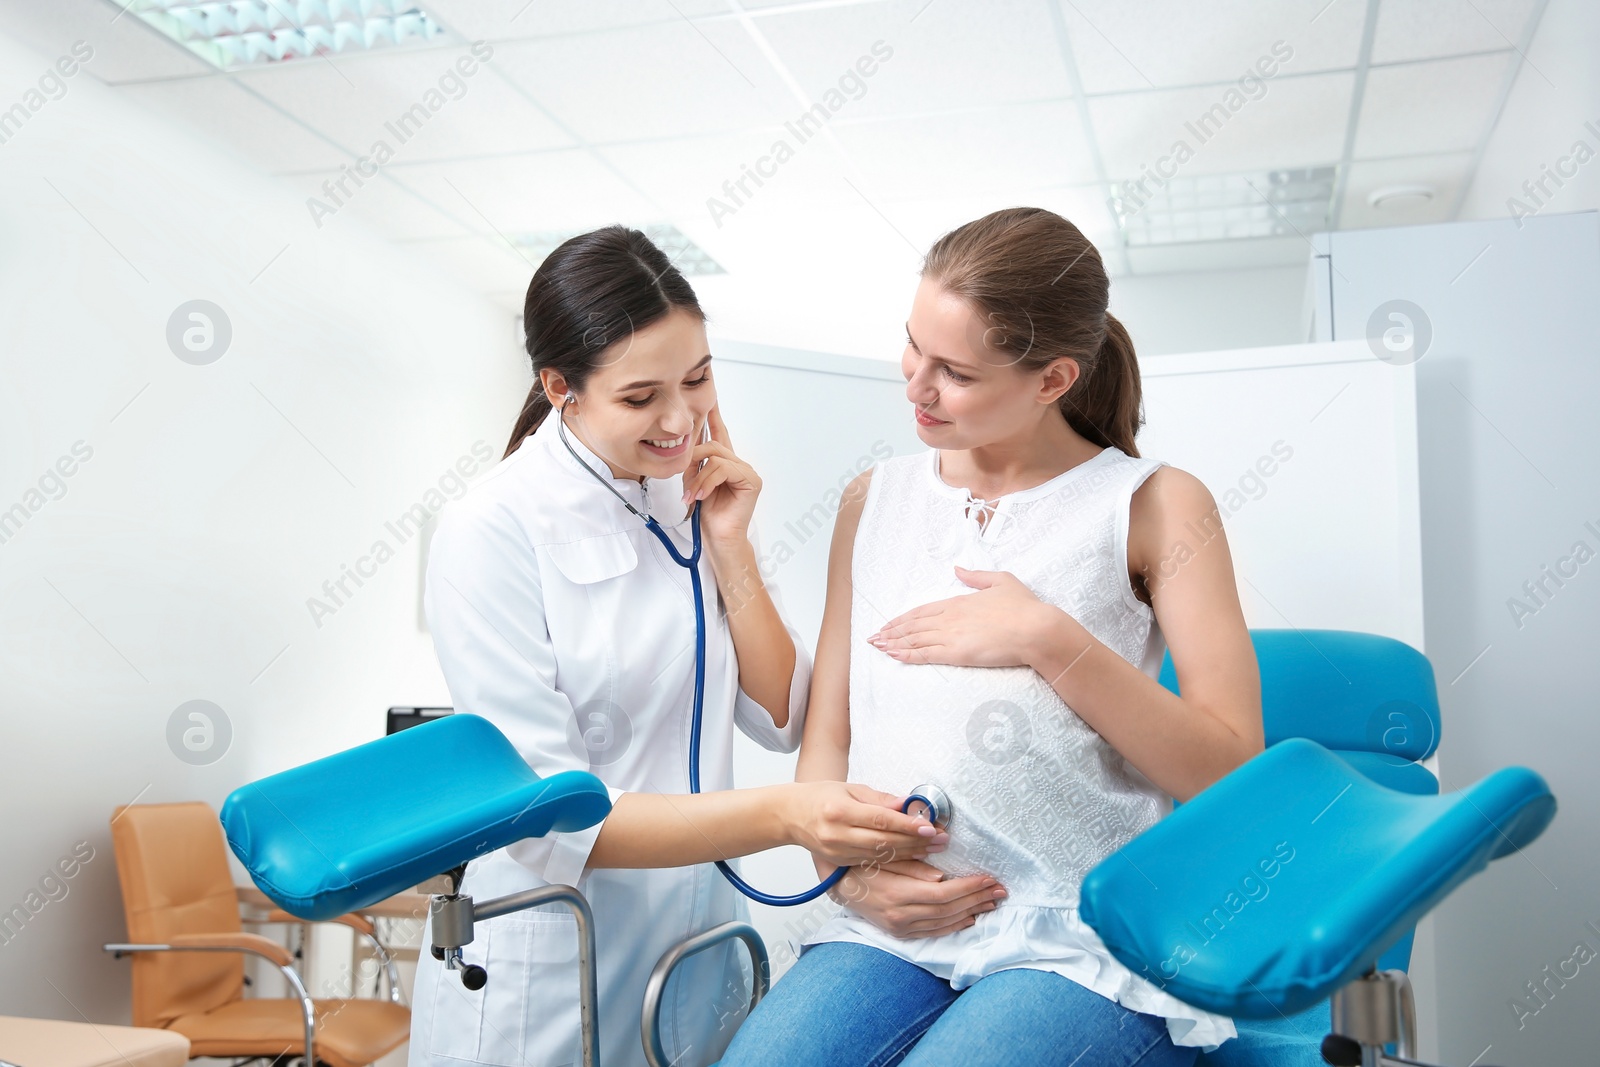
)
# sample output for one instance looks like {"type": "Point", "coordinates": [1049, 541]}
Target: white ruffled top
{"type": "Point", "coordinates": [1038, 796]}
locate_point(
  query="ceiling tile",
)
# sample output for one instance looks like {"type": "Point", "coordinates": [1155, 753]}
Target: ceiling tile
{"type": "Point", "coordinates": [670, 80]}
{"type": "Point", "coordinates": [482, 264]}
{"type": "Point", "coordinates": [1429, 29]}
{"type": "Point", "coordinates": [389, 207]}
{"type": "Point", "coordinates": [926, 220]}
{"type": "Point", "coordinates": [683, 174]}
{"type": "Point", "coordinates": [125, 47]}
{"type": "Point", "coordinates": [939, 56]}
{"type": "Point", "coordinates": [1443, 105]}
{"type": "Point", "coordinates": [225, 115]}
{"type": "Point", "coordinates": [1295, 122]}
{"type": "Point", "coordinates": [784, 233]}
{"type": "Point", "coordinates": [565, 190]}
{"type": "Point", "coordinates": [1445, 173]}
{"type": "Point", "coordinates": [355, 100]}
{"type": "Point", "coordinates": [1166, 43]}
{"type": "Point", "coordinates": [1025, 146]}
{"type": "Point", "coordinates": [497, 20]}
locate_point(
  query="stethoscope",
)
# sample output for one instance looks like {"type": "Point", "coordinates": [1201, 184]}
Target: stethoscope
{"type": "Point", "coordinates": [935, 805]}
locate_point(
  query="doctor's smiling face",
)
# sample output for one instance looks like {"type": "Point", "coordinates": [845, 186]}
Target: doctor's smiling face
{"type": "Point", "coordinates": [644, 405]}
{"type": "Point", "coordinates": [968, 391]}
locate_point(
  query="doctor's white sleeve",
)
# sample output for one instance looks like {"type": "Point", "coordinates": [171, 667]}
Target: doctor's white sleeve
{"type": "Point", "coordinates": [485, 608]}
{"type": "Point", "coordinates": [753, 720]}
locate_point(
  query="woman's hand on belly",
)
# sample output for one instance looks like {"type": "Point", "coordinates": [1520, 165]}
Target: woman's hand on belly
{"type": "Point", "coordinates": [911, 899]}
{"type": "Point", "coordinates": [996, 626]}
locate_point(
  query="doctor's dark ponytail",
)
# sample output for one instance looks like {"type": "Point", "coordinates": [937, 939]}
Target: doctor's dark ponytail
{"type": "Point", "coordinates": [1037, 285]}
{"type": "Point", "coordinates": [594, 290]}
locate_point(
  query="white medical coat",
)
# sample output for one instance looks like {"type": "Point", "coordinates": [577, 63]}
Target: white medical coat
{"type": "Point", "coordinates": [561, 619]}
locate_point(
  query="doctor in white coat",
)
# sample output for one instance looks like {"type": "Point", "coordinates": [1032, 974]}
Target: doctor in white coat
{"type": "Point", "coordinates": [559, 617]}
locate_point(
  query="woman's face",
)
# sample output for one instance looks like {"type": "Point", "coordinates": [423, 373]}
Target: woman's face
{"type": "Point", "coordinates": [967, 391]}
{"type": "Point", "coordinates": [643, 407]}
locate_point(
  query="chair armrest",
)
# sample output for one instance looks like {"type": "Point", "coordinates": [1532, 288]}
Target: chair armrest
{"type": "Point", "coordinates": [650, 1020]}
{"type": "Point", "coordinates": [401, 905]}
{"type": "Point", "coordinates": [359, 923]}
{"type": "Point", "coordinates": [254, 944]}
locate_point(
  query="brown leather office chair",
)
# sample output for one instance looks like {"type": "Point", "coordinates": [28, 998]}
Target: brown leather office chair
{"type": "Point", "coordinates": [188, 945]}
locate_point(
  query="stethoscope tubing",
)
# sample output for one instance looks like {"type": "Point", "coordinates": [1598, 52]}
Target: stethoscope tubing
{"type": "Point", "coordinates": [691, 563]}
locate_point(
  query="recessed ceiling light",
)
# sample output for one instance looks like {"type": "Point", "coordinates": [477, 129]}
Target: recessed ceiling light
{"type": "Point", "coordinates": [1221, 207]}
{"type": "Point", "coordinates": [1400, 197]}
{"type": "Point", "coordinates": [230, 34]}
{"type": "Point", "coordinates": [688, 257]}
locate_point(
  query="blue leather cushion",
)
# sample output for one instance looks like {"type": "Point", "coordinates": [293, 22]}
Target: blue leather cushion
{"type": "Point", "coordinates": [1293, 874]}
{"type": "Point", "coordinates": [356, 827]}
{"type": "Point", "coordinates": [1350, 691]}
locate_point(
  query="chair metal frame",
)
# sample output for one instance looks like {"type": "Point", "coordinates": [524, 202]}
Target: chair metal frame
{"type": "Point", "coordinates": [1374, 1011]}
{"type": "Point", "coordinates": [290, 974]}
{"type": "Point", "coordinates": [293, 976]}
{"type": "Point", "coordinates": [454, 915]}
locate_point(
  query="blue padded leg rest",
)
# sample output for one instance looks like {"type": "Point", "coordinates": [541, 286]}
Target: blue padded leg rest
{"type": "Point", "coordinates": [349, 830]}
{"type": "Point", "coordinates": [1289, 877]}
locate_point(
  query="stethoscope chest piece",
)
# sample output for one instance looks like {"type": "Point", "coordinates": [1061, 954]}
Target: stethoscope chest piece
{"type": "Point", "coordinates": [931, 801]}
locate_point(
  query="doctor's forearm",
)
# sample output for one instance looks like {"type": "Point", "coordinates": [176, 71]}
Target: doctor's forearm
{"type": "Point", "coordinates": [676, 830]}
{"type": "Point", "coordinates": [760, 641]}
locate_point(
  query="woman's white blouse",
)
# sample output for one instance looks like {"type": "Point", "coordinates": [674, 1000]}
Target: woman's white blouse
{"type": "Point", "coordinates": [1039, 797]}
{"type": "Point", "coordinates": [560, 618]}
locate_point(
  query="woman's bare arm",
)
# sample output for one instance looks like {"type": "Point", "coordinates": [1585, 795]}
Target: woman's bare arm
{"type": "Point", "coordinates": [1182, 744]}
{"type": "Point", "coordinates": [905, 897]}
{"type": "Point", "coordinates": [825, 744]}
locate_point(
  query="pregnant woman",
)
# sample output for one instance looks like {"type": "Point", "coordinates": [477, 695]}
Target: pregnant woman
{"type": "Point", "coordinates": [997, 610]}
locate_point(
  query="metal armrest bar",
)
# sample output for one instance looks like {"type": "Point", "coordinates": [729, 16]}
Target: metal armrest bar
{"type": "Point", "coordinates": [650, 1020]}
{"type": "Point", "coordinates": [307, 1009]}
{"type": "Point", "coordinates": [1369, 1014]}
{"type": "Point", "coordinates": [378, 947]}
{"type": "Point", "coordinates": [388, 968]}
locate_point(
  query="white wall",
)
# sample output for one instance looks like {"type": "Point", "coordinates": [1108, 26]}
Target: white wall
{"type": "Point", "coordinates": [1509, 484]}
{"type": "Point", "coordinates": [864, 315]}
{"type": "Point", "coordinates": [1207, 311]}
{"type": "Point", "coordinates": [176, 561]}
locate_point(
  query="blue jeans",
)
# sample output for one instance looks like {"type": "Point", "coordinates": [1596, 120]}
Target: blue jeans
{"type": "Point", "coordinates": [849, 1005]}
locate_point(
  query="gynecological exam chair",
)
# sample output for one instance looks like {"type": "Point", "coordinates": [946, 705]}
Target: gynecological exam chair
{"type": "Point", "coordinates": [1272, 894]}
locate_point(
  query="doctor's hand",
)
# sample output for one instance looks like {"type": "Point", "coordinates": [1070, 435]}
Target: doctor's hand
{"type": "Point", "coordinates": [1002, 624]}
{"type": "Point", "coordinates": [909, 898]}
{"type": "Point", "coordinates": [726, 485]}
{"type": "Point", "coordinates": [847, 824]}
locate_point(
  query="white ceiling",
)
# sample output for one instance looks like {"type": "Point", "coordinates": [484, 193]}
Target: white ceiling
{"type": "Point", "coordinates": [637, 111]}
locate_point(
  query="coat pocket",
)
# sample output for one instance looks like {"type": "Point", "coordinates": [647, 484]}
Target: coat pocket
{"type": "Point", "coordinates": [528, 1012]}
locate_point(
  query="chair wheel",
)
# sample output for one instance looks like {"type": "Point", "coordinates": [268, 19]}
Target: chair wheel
{"type": "Point", "coordinates": [475, 977]}
{"type": "Point", "coordinates": [1341, 1051]}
